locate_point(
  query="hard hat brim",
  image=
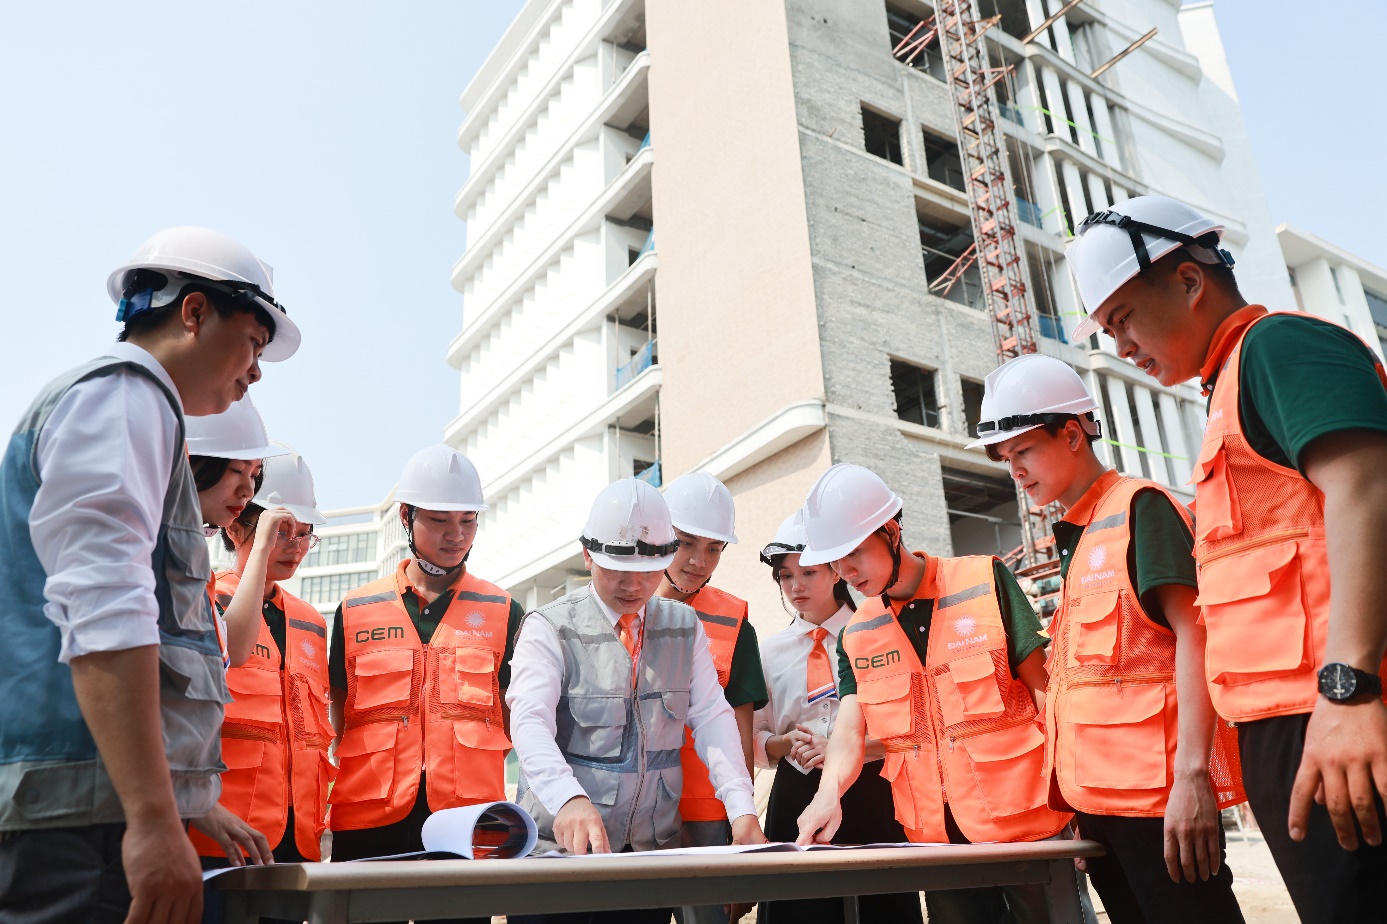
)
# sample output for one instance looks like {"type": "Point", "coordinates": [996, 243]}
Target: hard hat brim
{"type": "Point", "coordinates": [704, 532]}
{"type": "Point", "coordinates": [1084, 329]}
{"type": "Point", "coordinates": [240, 455]}
{"type": "Point", "coordinates": [309, 515]}
{"type": "Point", "coordinates": [993, 438]}
{"type": "Point", "coordinates": [816, 557]}
{"type": "Point", "coordinates": [630, 563]}
{"type": "Point", "coordinates": [286, 339]}
{"type": "Point", "coordinates": [440, 507]}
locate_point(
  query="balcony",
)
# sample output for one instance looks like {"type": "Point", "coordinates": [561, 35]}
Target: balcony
{"type": "Point", "coordinates": [651, 475]}
{"type": "Point", "coordinates": [643, 360]}
{"type": "Point", "coordinates": [1052, 327]}
{"type": "Point", "coordinates": [1029, 212]}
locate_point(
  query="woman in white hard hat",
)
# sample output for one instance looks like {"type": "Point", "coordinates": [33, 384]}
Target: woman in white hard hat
{"type": "Point", "coordinates": [420, 661]}
{"type": "Point", "coordinates": [1135, 748]}
{"type": "Point", "coordinates": [113, 672]}
{"type": "Point", "coordinates": [958, 635]}
{"type": "Point", "coordinates": [791, 731]}
{"type": "Point", "coordinates": [1289, 490]}
{"type": "Point", "coordinates": [704, 518]}
{"type": "Point", "coordinates": [276, 734]}
{"type": "Point", "coordinates": [605, 681]}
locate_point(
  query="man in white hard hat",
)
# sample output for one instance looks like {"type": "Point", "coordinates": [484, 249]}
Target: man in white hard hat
{"type": "Point", "coordinates": [704, 519]}
{"type": "Point", "coordinates": [1134, 747]}
{"type": "Point", "coordinates": [943, 663]}
{"type": "Point", "coordinates": [1288, 490]}
{"type": "Point", "coordinates": [419, 663]}
{"type": "Point", "coordinates": [604, 682]}
{"type": "Point", "coordinates": [112, 687]}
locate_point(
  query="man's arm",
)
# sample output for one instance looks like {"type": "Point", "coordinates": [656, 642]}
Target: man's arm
{"type": "Point", "coordinates": [1345, 754]}
{"type": "Point", "coordinates": [842, 765]}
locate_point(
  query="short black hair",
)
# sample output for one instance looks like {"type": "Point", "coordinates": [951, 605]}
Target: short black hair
{"type": "Point", "coordinates": [1053, 430]}
{"type": "Point", "coordinates": [208, 470]}
{"type": "Point", "coordinates": [1221, 274]}
{"type": "Point", "coordinates": [840, 587]}
{"type": "Point", "coordinates": [221, 301]}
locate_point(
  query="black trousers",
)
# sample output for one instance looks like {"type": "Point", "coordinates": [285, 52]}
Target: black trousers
{"type": "Point", "coordinates": [868, 818]}
{"type": "Point", "coordinates": [1134, 884]}
{"type": "Point", "coordinates": [214, 899]}
{"type": "Point", "coordinates": [60, 875]}
{"type": "Point", "coordinates": [1015, 904]}
{"type": "Point", "coordinates": [1326, 882]}
{"type": "Point", "coordinates": [404, 836]}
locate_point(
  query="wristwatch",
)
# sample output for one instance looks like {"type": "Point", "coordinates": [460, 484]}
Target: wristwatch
{"type": "Point", "coordinates": [1340, 683]}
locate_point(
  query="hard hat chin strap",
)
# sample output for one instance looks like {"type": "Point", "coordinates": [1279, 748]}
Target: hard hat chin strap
{"type": "Point", "coordinates": [895, 563]}
{"type": "Point", "coordinates": [1135, 229]}
{"type": "Point", "coordinates": [424, 564]}
{"type": "Point", "coordinates": [688, 593]}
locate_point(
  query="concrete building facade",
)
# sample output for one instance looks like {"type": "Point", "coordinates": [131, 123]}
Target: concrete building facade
{"type": "Point", "coordinates": [1335, 284]}
{"type": "Point", "coordinates": [702, 236]}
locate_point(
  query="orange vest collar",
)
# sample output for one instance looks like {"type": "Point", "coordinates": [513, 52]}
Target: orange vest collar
{"type": "Point", "coordinates": [1082, 511]}
{"type": "Point", "coordinates": [403, 583]}
{"type": "Point", "coordinates": [1225, 336]}
{"type": "Point", "coordinates": [926, 589]}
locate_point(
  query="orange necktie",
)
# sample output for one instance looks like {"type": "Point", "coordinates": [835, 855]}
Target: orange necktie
{"type": "Point", "coordinates": [631, 639]}
{"type": "Point", "coordinates": [818, 672]}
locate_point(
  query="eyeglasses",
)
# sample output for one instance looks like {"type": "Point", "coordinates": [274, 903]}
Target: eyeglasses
{"type": "Point", "coordinates": [307, 542]}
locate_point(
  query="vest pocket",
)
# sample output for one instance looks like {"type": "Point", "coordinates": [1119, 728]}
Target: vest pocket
{"type": "Point", "coordinates": [384, 679]}
{"type": "Point", "coordinates": [902, 794]}
{"type": "Point", "coordinates": [667, 821]}
{"type": "Point", "coordinates": [308, 707]}
{"type": "Point", "coordinates": [887, 705]}
{"type": "Point", "coordinates": [479, 776]}
{"type": "Point", "coordinates": [465, 677]}
{"type": "Point", "coordinates": [1217, 514]}
{"type": "Point", "coordinates": [1006, 765]}
{"type": "Point", "coordinates": [1119, 736]}
{"type": "Point", "coordinates": [367, 763]}
{"type": "Point", "coordinates": [599, 725]}
{"type": "Point", "coordinates": [256, 697]}
{"type": "Point", "coordinates": [1093, 638]}
{"type": "Point", "coordinates": [967, 689]}
{"type": "Point", "coordinates": [1254, 610]}
{"type": "Point", "coordinates": [600, 785]}
{"type": "Point", "coordinates": [664, 714]}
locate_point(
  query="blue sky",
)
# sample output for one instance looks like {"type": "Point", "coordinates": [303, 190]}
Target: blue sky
{"type": "Point", "coordinates": [323, 136]}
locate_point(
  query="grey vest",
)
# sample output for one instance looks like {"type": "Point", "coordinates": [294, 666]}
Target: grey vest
{"type": "Point", "coordinates": [622, 744]}
{"type": "Point", "coordinates": [51, 775]}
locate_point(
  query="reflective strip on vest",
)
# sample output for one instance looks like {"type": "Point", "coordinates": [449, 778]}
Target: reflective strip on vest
{"type": "Point", "coordinates": [1111, 714]}
{"type": "Point", "coordinates": [415, 709]}
{"type": "Point", "coordinates": [1263, 567]}
{"type": "Point", "coordinates": [621, 744]}
{"type": "Point", "coordinates": [722, 616]}
{"type": "Point", "coordinates": [276, 734]}
{"type": "Point", "coordinates": [959, 727]}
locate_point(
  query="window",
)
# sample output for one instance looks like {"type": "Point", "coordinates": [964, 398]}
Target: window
{"type": "Point", "coordinates": [916, 400]}
{"type": "Point", "coordinates": [972, 404]}
{"type": "Point", "coordinates": [1338, 290]}
{"type": "Point", "coordinates": [942, 160]}
{"type": "Point", "coordinates": [901, 24]}
{"type": "Point", "coordinates": [342, 550]}
{"type": "Point", "coordinates": [1377, 304]}
{"type": "Point", "coordinates": [881, 135]}
{"type": "Point", "coordinates": [942, 242]}
{"type": "Point", "coordinates": [330, 588]}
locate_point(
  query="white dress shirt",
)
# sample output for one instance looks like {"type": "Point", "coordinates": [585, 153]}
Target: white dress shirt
{"type": "Point", "coordinates": [537, 680]}
{"type": "Point", "coordinates": [784, 661]}
{"type": "Point", "coordinates": [104, 458]}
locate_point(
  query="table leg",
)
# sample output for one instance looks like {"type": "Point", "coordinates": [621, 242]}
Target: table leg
{"type": "Point", "coordinates": [327, 908]}
{"type": "Point", "coordinates": [850, 909]}
{"type": "Point", "coordinates": [1062, 893]}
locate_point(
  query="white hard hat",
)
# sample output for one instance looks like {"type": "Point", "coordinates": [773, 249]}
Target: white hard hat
{"type": "Point", "coordinates": [235, 433]}
{"type": "Point", "coordinates": [181, 256]}
{"type": "Point", "coordinates": [846, 505]}
{"type": "Point", "coordinates": [1115, 245]}
{"type": "Point", "coordinates": [629, 528]}
{"type": "Point", "coordinates": [441, 478]}
{"type": "Point", "coordinates": [789, 538]}
{"type": "Point", "coordinates": [287, 482]}
{"type": "Point", "coordinates": [701, 505]}
{"type": "Point", "coordinates": [1024, 390]}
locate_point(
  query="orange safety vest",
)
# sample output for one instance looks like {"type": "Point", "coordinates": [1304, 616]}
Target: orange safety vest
{"type": "Point", "coordinates": [276, 733]}
{"type": "Point", "coordinates": [959, 728]}
{"type": "Point", "coordinates": [1263, 560]}
{"type": "Point", "coordinates": [413, 707]}
{"type": "Point", "coordinates": [1111, 716]}
{"type": "Point", "coordinates": [722, 616]}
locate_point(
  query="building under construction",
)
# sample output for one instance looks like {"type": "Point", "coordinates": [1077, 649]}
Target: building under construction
{"type": "Point", "coordinates": [728, 235]}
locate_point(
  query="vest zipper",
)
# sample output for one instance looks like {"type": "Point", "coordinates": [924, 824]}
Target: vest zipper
{"type": "Point", "coordinates": [1246, 544]}
{"type": "Point", "coordinates": [1129, 679]}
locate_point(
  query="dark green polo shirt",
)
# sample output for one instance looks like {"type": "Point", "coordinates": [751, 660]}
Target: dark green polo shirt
{"type": "Point", "coordinates": [746, 682]}
{"type": "Point", "coordinates": [1018, 617]}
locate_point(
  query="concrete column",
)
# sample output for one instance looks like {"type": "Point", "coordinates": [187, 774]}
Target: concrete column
{"type": "Point", "coordinates": [1096, 192]}
{"type": "Point", "coordinates": [1105, 449]}
{"type": "Point", "coordinates": [1054, 95]}
{"type": "Point", "coordinates": [1103, 125]}
{"type": "Point", "coordinates": [1035, 9]}
{"type": "Point", "coordinates": [1066, 296]}
{"type": "Point", "coordinates": [1064, 42]}
{"type": "Point", "coordinates": [1074, 189]}
{"type": "Point", "coordinates": [1047, 197]}
{"type": "Point", "coordinates": [1079, 115]}
{"type": "Point", "coordinates": [1028, 98]}
{"type": "Point", "coordinates": [1151, 435]}
{"type": "Point", "coordinates": [1119, 194]}
{"type": "Point", "coordinates": [1180, 460]}
{"type": "Point", "coordinates": [1129, 460]}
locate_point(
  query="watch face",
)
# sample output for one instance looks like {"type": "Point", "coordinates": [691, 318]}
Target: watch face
{"type": "Point", "coordinates": [1338, 681]}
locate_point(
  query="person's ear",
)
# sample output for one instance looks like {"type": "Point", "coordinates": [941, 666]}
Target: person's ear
{"type": "Point", "coordinates": [1191, 281]}
{"type": "Point", "coordinates": [193, 312]}
{"type": "Point", "coordinates": [587, 560]}
{"type": "Point", "coordinates": [1074, 433]}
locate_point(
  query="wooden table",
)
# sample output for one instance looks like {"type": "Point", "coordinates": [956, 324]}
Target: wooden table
{"type": "Point", "coordinates": [336, 893]}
